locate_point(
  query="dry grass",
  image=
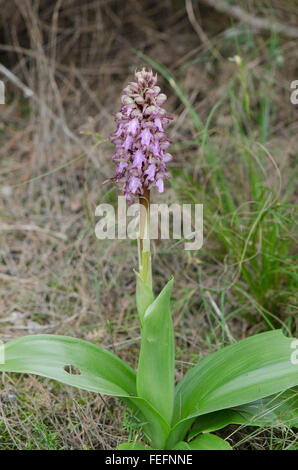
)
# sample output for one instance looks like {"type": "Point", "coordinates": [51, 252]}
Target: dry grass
{"type": "Point", "coordinates": [55, 276]}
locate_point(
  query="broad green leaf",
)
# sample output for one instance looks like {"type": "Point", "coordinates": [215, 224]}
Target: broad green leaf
{"type": "Point", "coordinates": [209, 442]}
{"type": "Point", "coordinates": [275, 410]}
{"type": "Point", "coordinates": [246, 371]}
{"type": "Point", "coordinates": [133, 446]}
{"type": "Point", "coordinates": [144, 297]}
{"type": "Point", "coordinates": [99, 371]}
{"type": "Point", "coordinates": [203, 442]}
{"type": "Point", "coordinates": [178, 432]}
{"type": "Point", "coordinates": [214, 421]}
{"type": "Point", "coordinates": [47, 355]}
{"type": "Point", "coordinates": [181, 446]}
{"type": "Point", "coordinates": [155, 375]}
{"type": "Point", "coordinates": [154, 426]}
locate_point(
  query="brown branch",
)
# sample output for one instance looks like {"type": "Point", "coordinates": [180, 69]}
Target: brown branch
{"type": "Point", "coordinates": [198, 28]}
{"type": "Point", "coordinates": [28, 93]}
{"type": "Point", "coordinates": [258, 23]}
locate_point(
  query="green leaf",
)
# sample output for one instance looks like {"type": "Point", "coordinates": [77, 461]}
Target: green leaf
{"type": "Point", "coordinates": [155, 375]}
{"type": "Point", "coordinates": [209, 442]}
{"type": "Point", "coordinates": [133, 446]}
{"type": "Point", "coordinates": [144, 297]}
{"type": "Point", "coordinates": [181, 446]}
{"type": "Point", "coordinates": [243, 372]}
{"type": "Point", "coordinates": [47, 355]}
{"type": "Point", "coordinates": [98, 371]}
{"type": "Point", "coordinates": [154, 426]}
{"type": "Point", "coordinates": [251, 369]}
{"type": "Point", "coordinates": [203, 442]}
{"type": "Point", "coordinates": [275, 410]}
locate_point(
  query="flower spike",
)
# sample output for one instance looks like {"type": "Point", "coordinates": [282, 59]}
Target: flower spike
{"type": "Point", "coordinates": [141, 142]}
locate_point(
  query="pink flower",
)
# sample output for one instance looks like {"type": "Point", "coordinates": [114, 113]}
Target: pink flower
{"type": "Point", "coordinates": [140, 138]}
{"type": "Point", "coordinates": [167, 157]}
{"type": "Point", "coordinates": [156, 148]}
{"type": "Point", "coordinates": [133, 126]}
{"type": "Point", "coordinates": [134, 184]}
{"type": "Point", "coordinates": [138, 159]}
{"type": "Point", "coordinates": [158, 124]}
{"type": "Point", "coordinates": [119, 131]}
{"type": "Point", "coordinates": [146, 137]}
{"type": "Point", "coordinates": [128, 142]}
{"type": "Point", "coordinates": [150, 172]}
{"type": "Point", "coordinates": [121, 166]}
{"type": "Point", "coordinates": [160, 185]}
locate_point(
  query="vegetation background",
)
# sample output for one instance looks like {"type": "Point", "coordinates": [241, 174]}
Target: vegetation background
{"type": "Point", "coordinates": [234, 145]}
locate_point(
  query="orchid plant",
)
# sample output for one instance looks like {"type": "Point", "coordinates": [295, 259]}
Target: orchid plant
{"type": "Point", "coordinates": [251, 382]}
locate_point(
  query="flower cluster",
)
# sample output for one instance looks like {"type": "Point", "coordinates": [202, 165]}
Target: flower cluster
{"type": "Point", "coordinates": [141, 143]}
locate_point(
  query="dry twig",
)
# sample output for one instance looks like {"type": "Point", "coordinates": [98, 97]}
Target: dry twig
{"type": "Point", "coordinates": [258, 23]}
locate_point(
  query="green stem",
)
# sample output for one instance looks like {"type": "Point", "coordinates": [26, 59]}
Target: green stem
{"type": "Point", "coordinates": [144, 246]}
{"type": "Point", "coordinates": [144, 291]}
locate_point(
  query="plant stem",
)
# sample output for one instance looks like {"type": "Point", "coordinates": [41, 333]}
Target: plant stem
{"type": "Point", "coordinates": [144, 292]}
{"type": "Point", "coordinates": [144, 245]}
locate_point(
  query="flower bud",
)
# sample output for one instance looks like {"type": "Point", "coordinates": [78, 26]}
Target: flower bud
{"type": "Point", "coordinates": [161, 99]}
